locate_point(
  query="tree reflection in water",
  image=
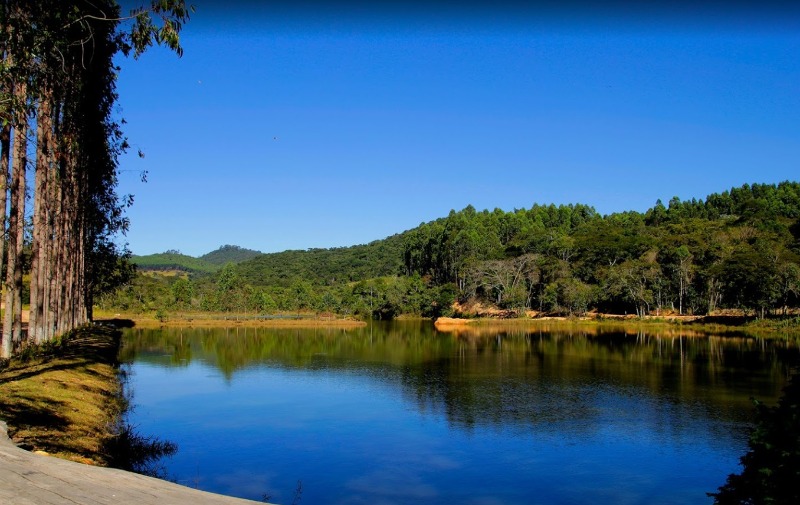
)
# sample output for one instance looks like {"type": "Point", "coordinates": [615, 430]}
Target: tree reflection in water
{"type": "Point", "coordinates": [614, 400]}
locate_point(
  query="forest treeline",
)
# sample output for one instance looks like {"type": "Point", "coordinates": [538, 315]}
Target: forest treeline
{"type": "Point", "coordinates": [737, 249]}
{"type": "Point", "coordinates": [60, 140]}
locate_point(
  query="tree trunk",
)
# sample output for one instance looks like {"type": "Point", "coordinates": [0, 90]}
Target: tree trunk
{"type": "Point", "coordinates": [5, 159]}
{"type": "Point", "coordinates": [5, 145]}
{"type": "Point", "coordinates": [12, 322]}
{"type": "Point", "coordinates": [38, 259]}
{"type": "Point", "coordinates": [5, 166]}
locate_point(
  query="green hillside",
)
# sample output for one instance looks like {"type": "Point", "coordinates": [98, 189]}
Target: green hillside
{"type": "Point", "coordinates": [326, 266]}
{"type": "Point", "coordinates": [173, 260]}
{"type": "Point", "coordinates": [208, 263]}
{"type": "Point", "coordinates": [229, 254]}
{"type": "Point", "coordinates": [738, 249]}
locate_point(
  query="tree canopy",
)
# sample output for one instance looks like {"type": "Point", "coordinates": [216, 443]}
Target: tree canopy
{"type": "Point", "coordinates": [736, 249]}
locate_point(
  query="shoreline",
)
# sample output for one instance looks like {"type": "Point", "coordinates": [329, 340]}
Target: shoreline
{"type": "Point", "coordinates": [238, 323]}
{"type": "Point", "coordinates": [93, 351]}
{"type": "Point", "coordinates": [64, 398]}
{"type": "Point", "coordinates": [218, 320]}
{"type": "Point", "coordinates": [60, 406]}
{"type": "Point", "coordinates": [723, 322]}
{"type": "Point", "coordinates": [31, 478]}
{"type": "Point", "coordinates": [720, 325]}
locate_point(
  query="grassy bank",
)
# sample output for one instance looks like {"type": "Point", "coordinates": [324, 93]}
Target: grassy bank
{"type": "Point", "coordinates": [64, 398]}
{"type": "Point", "coordinates": [731, 323]}
{"type": "Point", "coordinates": [227, 319]}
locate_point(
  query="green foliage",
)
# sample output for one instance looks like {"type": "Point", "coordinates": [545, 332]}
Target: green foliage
{"type": "Point", "coordinates": [206, 264]}
{"type": "Point", "coordinates": [173, 260]}
{"type": "Point", "coordinates": [325, 266]}
{"type": "Point", "coordinates": [771, 468]}
{"type": "Point", "coordinates": [737, 249]}
{"type": "Point", "coordinates": [160, 23]}
{"type": "Point", "coordinates": [442, 304]}
{"type": "Point", "coordinates": [182, 293]}
{"type": "Point", "coordinates": [110, 268]}
{"type": "Point", "coordinates": [229, 254]}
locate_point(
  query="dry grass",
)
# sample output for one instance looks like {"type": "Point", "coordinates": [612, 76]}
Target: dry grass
{"type": "Point", "coordinates": [221, 322]}
{"type": "Point", "coordinates": [166, 273]}
{"type": "Point", "coordinates": [225, 320]}
{"type": "Point", "coordinates": [64, 399]}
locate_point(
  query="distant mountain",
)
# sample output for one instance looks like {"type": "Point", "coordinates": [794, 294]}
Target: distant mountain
{"type": "Point", "coordinates": [173, 260]}
{"type": "Point", "coordinates": [208, 263]}
{"type": "Point", "coordinates": [229, 254]}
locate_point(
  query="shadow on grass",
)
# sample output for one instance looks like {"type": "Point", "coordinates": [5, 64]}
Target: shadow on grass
{"type": "Point", "coordinates": [41, 422]}
{"type": "Point", "coordinates": [29, 415]}
{"type": "Point", "coordinates": [79, 348]}
{"type": "Point", "coordinates": [45, 368]}
{"type": "Point", "coordinates": [24, 415]}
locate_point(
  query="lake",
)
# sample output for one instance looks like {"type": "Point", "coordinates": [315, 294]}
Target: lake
{"type": "Point", "coordinates": [400, 413]}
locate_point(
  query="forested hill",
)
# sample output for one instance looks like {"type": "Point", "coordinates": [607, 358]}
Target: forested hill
{"type": "Point", "coordinates": [326, 266]}
{"type": "Point", "coordinates": [229, 254]}
{"type": "Point", "coordinates": [739, 248]}
{"type": "Point", "coordinates": [735, 249]}
{"type": "Point", "coordinates": [208, 263]}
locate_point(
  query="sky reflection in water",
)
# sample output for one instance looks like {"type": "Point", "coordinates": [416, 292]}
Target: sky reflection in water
{"type": "Point", "coordinates": [401, 414]}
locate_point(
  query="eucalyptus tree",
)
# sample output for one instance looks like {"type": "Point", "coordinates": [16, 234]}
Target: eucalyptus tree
{"type": "Point", "coordinates": [57, 97]}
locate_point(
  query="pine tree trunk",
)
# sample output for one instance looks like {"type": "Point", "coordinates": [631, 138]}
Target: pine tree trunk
{"type": "Point", "coordinates": [5, 159]}
{"type": "Point", "coordinates": [5, 166]}
{"type": "Point", "coordinates": [12, 321]}
{"type": "Point", "coordinates": [41, 226]}
{"type": "Point", "coordinates": [5, 142]}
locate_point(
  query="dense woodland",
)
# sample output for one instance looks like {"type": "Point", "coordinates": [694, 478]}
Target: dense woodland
{"type": "Point", "coordinates": [739, 249]}
{"type": "Point", "coordinates": [59, 146]}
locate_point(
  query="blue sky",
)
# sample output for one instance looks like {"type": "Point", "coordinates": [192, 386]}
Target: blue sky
{"type": "Point", "coordinates": [300, 125]}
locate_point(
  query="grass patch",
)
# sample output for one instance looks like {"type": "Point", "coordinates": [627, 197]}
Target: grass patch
{"type": "Point", "coordinates": [225, 319]}
{"type": "Point", "coordinates": [776, 323]}
{"type": "Point", "coordinates": [67, 398]}
{"type": "Point", "coordinates": [64, 398]}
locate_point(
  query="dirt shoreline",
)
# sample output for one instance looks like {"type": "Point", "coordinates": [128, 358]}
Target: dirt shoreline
{"type": "Point", "coordinates": [732, 325]}
{"type": "Point", "coordinates": [629, 318]}
{"type": "Point", "coordinates": [727, 321]}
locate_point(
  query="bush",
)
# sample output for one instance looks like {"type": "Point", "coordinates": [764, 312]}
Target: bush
{"type": "Point", "coordinates": [771, 468]}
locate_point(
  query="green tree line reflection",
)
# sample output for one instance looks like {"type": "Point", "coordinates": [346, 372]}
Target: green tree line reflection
{"type": "Point", "coordinates": [514, 377]}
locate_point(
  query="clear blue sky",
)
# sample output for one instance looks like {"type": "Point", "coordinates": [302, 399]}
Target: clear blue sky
{"type": "Point", "coordinates": [332, 124]}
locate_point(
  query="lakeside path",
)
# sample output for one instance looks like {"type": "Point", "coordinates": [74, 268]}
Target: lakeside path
{"type": "Point", "coordinates": [36, 479]}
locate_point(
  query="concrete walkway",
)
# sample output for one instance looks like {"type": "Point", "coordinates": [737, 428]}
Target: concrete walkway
{"type": "Point", "coordinates": [34, 479]}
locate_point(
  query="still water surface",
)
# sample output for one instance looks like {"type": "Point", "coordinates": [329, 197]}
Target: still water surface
{"type": "Point", "coordinates": [399, 413]}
